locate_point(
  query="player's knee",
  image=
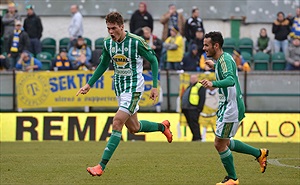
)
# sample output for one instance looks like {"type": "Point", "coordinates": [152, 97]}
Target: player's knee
{"type": "Point", "coordinates": [133, 129]}
{"type": "Point", "coordinates": [117, 124]}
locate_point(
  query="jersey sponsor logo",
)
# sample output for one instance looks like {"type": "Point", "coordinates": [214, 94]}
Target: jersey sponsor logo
{"type": "Point", "coordinates": [120, 60]}
{"type": "Point", "coordinates": [221, 98]}
{"type": "Point", "coordinates": [123, 72]}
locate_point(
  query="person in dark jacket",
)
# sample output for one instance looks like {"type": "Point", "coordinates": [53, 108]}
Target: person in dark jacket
{"type": "Point", "coordinates": [33, 26]}
{"type": "Point", "coordinates": [141, 18]}
{"type": "Point", "coordinates": [18, 41]}
{"type": "Point", "coordinates": [192, 103]}
{"type": "Point", "coordinates": [8, 22]}
{"type": "Point", "coordinates": [190, 61]}
{"type": "Point", "coordinates": [192, 24]}
{"type": "Point", "coordinates": [198, 40]}
{"type": "Point", "coordinates": [281, 30]}
{"type": "Point", "coordinates": [61, 61]}
{"type": "Point", "coordinates": [154, 42]}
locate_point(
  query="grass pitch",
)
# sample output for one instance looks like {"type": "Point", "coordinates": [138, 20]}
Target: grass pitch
{"type": "Point", "coordinates": [150, 163]}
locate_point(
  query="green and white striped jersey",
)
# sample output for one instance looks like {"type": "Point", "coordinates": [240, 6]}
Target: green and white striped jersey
{"type": "Point", "coordinates": [231, 104]}
{"type": "Point", "coordinates": [127, 60]}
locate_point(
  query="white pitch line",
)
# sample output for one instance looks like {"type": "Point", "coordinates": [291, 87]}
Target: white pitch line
{"type": "Point", "coordinates": [277, 163]}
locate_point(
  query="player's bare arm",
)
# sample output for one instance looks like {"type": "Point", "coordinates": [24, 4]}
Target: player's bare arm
{"type": "Point", "coordinates": [83, 90]}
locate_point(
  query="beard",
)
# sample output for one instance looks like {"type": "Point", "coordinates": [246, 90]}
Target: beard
{"type": "Point", "coordinates": [211, 53]}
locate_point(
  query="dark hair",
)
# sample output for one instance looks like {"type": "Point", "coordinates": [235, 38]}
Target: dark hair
{"type": "Point", "coordinates": [194, 10]}
{"type": "Point", "coordinates": [114, 17]}
{"type": "Point", "coordinates": [280, 13]}
{"type": "Point", "coordinates": [216, 37]}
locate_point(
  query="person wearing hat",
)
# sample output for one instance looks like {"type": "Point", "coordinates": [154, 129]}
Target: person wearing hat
{"type": "Point", "coordinates": [28, 63]}
{"type": "Point", "coordinates": [18, 42]}
{"type": "Point", "coordinates": [192, 24]}
{"type": "Point", "coordinates": [62, 62]}
{"type": "Point", "coordinates": [8, 21]}
{"type": "Point", "coordinates": [190, 61]}
{"type": "Point", "coordinates": [175, 49]}
{"type": "Point", "coordinates": [33, 26]}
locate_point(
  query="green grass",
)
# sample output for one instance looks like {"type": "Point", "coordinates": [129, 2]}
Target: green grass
{"type": "Point", "coordinates": [150, 163]}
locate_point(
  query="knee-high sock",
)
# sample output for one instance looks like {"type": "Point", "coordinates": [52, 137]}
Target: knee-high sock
{"type": "Point", "coordinates": [238, 146]}
{"type": "Point", "coordinates": [111, 146]}
{"type": "Point", "coordinates": [148, 126]}
{"type": "Point", "coordinates": [227, 160]}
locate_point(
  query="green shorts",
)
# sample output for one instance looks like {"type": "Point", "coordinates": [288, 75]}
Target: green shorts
{"type": "Point", "coordinates": [129, 102]}
{"type": "Point", "coordinates": [226, 130]}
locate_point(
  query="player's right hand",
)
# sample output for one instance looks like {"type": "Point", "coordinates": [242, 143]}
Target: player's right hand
{"type": "Point", "coordinates": [210, 63]}
{"type": "Point", "coordinates": [83, 90]}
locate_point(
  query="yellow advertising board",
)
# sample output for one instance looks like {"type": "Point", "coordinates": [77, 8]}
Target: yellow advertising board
{"type": "Point", "coordinates": [264, 127]}
{"type": "Point", "coordinates": [58, 89]}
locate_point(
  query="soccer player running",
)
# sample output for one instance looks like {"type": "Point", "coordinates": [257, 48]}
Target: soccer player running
{"type": "Point", "coordinates": [126, 51]}
{"type": "Point", "coordinates": [231, 108]}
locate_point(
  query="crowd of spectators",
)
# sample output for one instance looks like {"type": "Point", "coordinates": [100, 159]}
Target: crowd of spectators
{"type": "Point", "coordinates": [179, 48]}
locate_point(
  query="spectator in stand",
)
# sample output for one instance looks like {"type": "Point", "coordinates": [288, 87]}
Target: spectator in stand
{"type": "Point", "coordinates": [141, 18]}
{"type": "Point", "coordinates": [175, 49]}
{"type": "Point", "coordinates": [263, 42]}
{"type": "Point", "coordinates": [8, 22]}
{"type": "Point", "coordinates": [190, 61]}
{"type": "Point", "coordinates": [80, 55]}
{"type": "Point", "coordinates": [198, 40]}
{"type": "Point", "coordinates": [62, 62]}
{"type": "Point", "coordinates": [241, 64]}
{"type": "Point", "coordinates": [18, 42]}
{"type": "Point", "coordinates": [281, 30]}
{"type": "Point", "coordinates": [28, 63]}
{"type": "Point", "coordinates": [33, 26]}
{"type": "Point", "coordinates": [295, 24]}
{"type": "Point", "coordinates": [293, 55]}
{"type": "Point", "coordinates": [154, 42]}
{"type": "Point", "coordinates": [76, 25]}
{"type": "Point", "coordinates": [170, 19]}
{"type": "Point", "coordinates": [193, 24]}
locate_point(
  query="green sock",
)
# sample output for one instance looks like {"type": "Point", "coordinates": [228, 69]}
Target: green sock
{"type": "Point", "coordinates": [148, 126]}
{"type": "Point", "coordinates": [111, 146]}
{"type": "Point", "coordinates": [238, 146]}
{"type": "Point", "coordinates": [227, 160]}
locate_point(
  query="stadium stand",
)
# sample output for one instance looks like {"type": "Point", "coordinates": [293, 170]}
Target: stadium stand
{"type": "Point", "coordinates": [46, 60]}
{"type": "Point", "coordinates": [261, 61]}
{"type": "Point", "coordinates": [246, 45]}
{"type": "Point", "coordinates": [278, 61]}
{"type": "Point", "coordinates": [49, 45]}
{"type": "Point", "coordinates": [88, 42]}
{"type": "Point", "coordinates": [99, 43]}
{"type": "Point", "coordinates": [64, 42]}
{"type": "Point", "coordinates": [229, 45]}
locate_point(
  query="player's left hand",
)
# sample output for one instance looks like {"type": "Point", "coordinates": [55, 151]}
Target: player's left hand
{"type": "Point", "coordinates": [206, 83]}
{"type": "Point", "coordinates": [153, 94]}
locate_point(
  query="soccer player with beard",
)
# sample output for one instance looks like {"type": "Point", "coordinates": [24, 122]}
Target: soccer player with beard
{"type": "Point", "coordinates": [126, 51]}
{"type": "Point", "coordinates": [231, 108]}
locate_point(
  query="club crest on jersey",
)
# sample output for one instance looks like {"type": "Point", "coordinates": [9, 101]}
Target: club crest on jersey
{"type": "Point", "coordinates": [120, 60]}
